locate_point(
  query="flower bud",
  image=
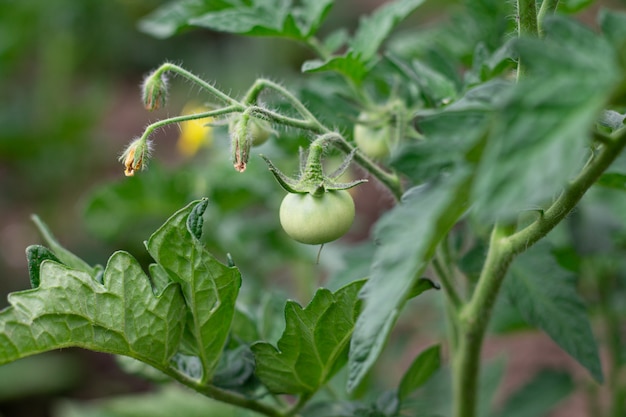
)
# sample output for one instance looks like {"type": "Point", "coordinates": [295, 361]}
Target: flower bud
{"type": "Point", "coordinates": [136, 156]}
{"type": "Point", "coordinates": [240, 141]}
{"type": "Point", "coordinates": [154, 91]}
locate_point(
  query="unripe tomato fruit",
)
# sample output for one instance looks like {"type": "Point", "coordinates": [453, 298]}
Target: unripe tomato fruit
{"type": "Point", "coordinates": [372, 140]}
{"type": "Point", "coordinates": [316, 220]}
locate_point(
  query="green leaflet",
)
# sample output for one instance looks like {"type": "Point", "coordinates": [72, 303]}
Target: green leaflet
{"type": "Point", "coordinates": [210, 288]}
{"type": "Point", "coordinates": [546, 297]}
{"type": "Point", "coordinates": [70, 308]}
{"type": "Point", "coordinates": [406, 243]}
{"type": "Point", "coordinates": [420, 371]}
{"type": "Point", "coordinates": [313, 345]}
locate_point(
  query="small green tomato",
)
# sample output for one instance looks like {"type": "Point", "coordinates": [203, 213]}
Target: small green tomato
{"type": "Point", "coordinates": [372, 138]}
{"type": "Point", "coordinates": [316, 220]}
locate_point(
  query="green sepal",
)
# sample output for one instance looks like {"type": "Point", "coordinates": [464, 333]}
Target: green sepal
{"type": "Point", "coordinates": [312, 179]}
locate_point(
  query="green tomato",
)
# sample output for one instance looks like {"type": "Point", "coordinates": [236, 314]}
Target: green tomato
{"type": "Point", "coordinates": [372, 140]}
{"type": "Point", "coordinates": [315, 220]}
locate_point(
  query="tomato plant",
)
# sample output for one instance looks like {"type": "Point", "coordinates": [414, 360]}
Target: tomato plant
{"type": "Point", "coordinates": [498, 145]}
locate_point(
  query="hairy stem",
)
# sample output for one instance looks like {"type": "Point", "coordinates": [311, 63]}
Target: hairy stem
{"type": "Point", "coordinates": [526, 24]}
{"type": "Point", "coordinates": [504, 246]}
{"type": "Point", "coordinates": [178, 119]}
{"type": "Point", "coordinates": [262, 84]}
{"type": "Point", "coordinates": [169, 67]}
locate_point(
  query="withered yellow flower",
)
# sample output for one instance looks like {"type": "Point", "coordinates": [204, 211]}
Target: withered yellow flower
{"type": "Point", "coordinates": [135, 156]}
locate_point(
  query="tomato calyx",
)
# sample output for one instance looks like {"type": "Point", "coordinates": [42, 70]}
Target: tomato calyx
{"type": "Point", "coordinates": [312, 178]}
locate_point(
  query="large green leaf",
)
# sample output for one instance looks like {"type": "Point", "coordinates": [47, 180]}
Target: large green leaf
{"type": "Point", "coordinates": [539, 139]}
{"type": "Point", "coordinates": [407, 237]}
{"type": "Point", "coordinates": [210, 288]}
{"type": "Point", "coordinates": [70, 308]}
{"type": "Point", "coordinates": [314, 344]}
{"type": "Point", "coordinates": [545, 294]}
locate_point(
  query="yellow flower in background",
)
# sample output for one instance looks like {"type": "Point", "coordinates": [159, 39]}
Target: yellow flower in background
{"type": "Point", "coordinates": [194, 133]}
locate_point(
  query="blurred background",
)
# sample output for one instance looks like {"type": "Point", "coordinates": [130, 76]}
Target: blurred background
{"type": "Point", "coordinates": [69, 103]}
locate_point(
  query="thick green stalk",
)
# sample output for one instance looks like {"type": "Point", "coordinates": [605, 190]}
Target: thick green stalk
{"type": "Point", "coordinates": [473, 323]}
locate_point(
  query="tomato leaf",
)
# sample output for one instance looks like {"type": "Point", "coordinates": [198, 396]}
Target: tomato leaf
{"type": "Point", "coordinates": [348, 64]}
{"type": "Point", "coordinates": [545, 295]}
{"type": "Point", "coordinates": [539, 396]}
{"type": "Point", "coordinates": [614, 180]}
{"type": "Point", "coordinates": [539, 137]}
{"type": "Point", "coordinates": [210, 288]}
{"type": "Point", "coordinates": [399, 260]}
{"type": "Point", "coordinates": [422, 368]}
{"type": "Point", "coordinates": [421, 285]}
{"type": "Point", "coordinates": [70, 308]}
{"type": "Point", "coordinates": [613, 24]}
{"type": "Point", "coordinates": [314, 344]}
